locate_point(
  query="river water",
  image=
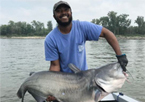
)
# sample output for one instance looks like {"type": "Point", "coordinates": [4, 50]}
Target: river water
{"type": "Point", "coordinates": [19, 57]}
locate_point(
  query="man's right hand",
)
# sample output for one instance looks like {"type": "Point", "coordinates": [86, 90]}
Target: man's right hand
{"type": "Point", "coordinates": [50, 98]}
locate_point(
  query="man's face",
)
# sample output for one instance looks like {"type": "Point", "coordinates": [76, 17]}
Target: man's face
{"type": "Point", "coordinates": [63, 15]}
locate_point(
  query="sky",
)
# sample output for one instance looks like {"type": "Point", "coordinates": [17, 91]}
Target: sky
{"type": "Point", "coordinates": [83, 10]}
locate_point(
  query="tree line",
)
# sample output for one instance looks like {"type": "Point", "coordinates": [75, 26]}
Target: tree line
{"type": "Point", "coordinates": [118, 24]}
{"type": "Point", "coordinates": [36, 28]}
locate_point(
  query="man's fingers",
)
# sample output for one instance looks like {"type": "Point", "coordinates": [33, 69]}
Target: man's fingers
{"type": "Point", "coordinates": [50, 98]}
{"type": "Point", "coordinates": [123, 67]}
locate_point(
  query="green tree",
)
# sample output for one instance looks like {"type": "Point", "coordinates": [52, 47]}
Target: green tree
{"type": "Point", "coordinates": [140, 21]}
{"type": "Point", "coordinates": [3, 30]}
{"type": "Point", "coordinates": [18, 28]}
{"type": "Point", "coordinates": [35, 25]}
{"type": "Point", "coordinates": [23, 28]}
{"type": "Point", "coordinates": [104, 21]}
{"type": "Point", "coordinates": [11, 28]}
{"type": "Point", "coordinates": [96, 21]}
{"type": "Point", "coordinates": [29, 30]}
{"type": "Point", "coordinates": [93, 21]}
{"type": "Point", "coordinates": [131, 30]}
{"type": "Point", "coordinates": [49, 26]}
{"type": "Point", "coordinates": [38, 27]}
{"type": "Point", "coordinates": [112, 24]}
{"type": "Point", "coordinates": [117, 24]}
{"type": "Point", "coordinates": [141, 25]}
{"type": "Point", "coordinates": [122, 24]}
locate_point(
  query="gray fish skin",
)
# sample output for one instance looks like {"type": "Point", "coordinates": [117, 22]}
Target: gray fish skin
{"type": "Point", "coordinates": [110, 77]}
{"type": "Point", "coordinates": [69, 87]}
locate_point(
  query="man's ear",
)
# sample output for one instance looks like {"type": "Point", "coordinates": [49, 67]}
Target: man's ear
{"type": "Point", "coordinates": [54, 16]}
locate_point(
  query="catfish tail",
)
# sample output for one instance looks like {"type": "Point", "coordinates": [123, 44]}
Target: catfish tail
{"type": "Point", "coordinates": [21, 92]}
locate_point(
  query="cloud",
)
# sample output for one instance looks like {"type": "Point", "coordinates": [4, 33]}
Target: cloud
{"type": "Point", "coordinates": [41, 10]}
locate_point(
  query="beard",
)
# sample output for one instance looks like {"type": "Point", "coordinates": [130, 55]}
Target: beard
{"type": "Point", "coordinates": [64, 24]}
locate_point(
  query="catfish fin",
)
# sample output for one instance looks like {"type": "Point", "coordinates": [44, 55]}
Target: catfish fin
{"type": "Point", "coordinates": [21, 92]}
{"type": "Point", "coordinates": [74, 68]}
{"type": "Point", "coordinates": [31, 73]}
{"type": "Point", "coordinates": [97, 95]}
{"type": "Point", "coordinates": [38, 98]}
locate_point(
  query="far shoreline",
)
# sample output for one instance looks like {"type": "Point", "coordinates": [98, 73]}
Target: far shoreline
{"type": "Point", "coordinates": [137, 37]}
{"type": "Point", "coordinates": [43, 37]}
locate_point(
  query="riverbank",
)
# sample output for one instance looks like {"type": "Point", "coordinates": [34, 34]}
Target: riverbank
{"type": "Point", "coordinates": [131, 37]}
{"type": "Point", "coordinates": [43, 37]}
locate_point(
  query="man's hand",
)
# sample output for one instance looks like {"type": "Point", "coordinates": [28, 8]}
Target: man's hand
{"type": "Point", "coordinates": [50, 98]}
{"type": "Point", "coordinates": [123, 61]}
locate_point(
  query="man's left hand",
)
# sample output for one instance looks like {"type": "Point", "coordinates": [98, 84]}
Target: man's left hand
{"type": "Point", "coordinates": [123, 61]}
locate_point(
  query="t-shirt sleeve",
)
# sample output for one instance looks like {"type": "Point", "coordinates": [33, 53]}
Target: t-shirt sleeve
{"type": "Point", "coordinates": [51, 53]}
{"type": "Point", "coordinates": [92, 31]}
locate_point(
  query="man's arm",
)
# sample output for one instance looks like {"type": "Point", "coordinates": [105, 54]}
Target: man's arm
{"type": "Point", "coordinates": [54, 66]}
{"type": "Point", "coordinates": [112, 40]}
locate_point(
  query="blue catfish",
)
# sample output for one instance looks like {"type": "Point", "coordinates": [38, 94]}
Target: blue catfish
{"type": "Point", "coordinates": [82, 86]}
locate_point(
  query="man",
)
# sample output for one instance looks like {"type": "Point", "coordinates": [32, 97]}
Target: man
{"type": "Point", "coordinates": [66, 43]}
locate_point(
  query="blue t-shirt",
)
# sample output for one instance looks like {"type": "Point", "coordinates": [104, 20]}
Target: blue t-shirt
{"type": "Point", "coordinates": [70, 48]}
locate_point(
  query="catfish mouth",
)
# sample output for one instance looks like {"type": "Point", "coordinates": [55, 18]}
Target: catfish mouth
{"type": "Point", "coordinates": [100, 87]}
